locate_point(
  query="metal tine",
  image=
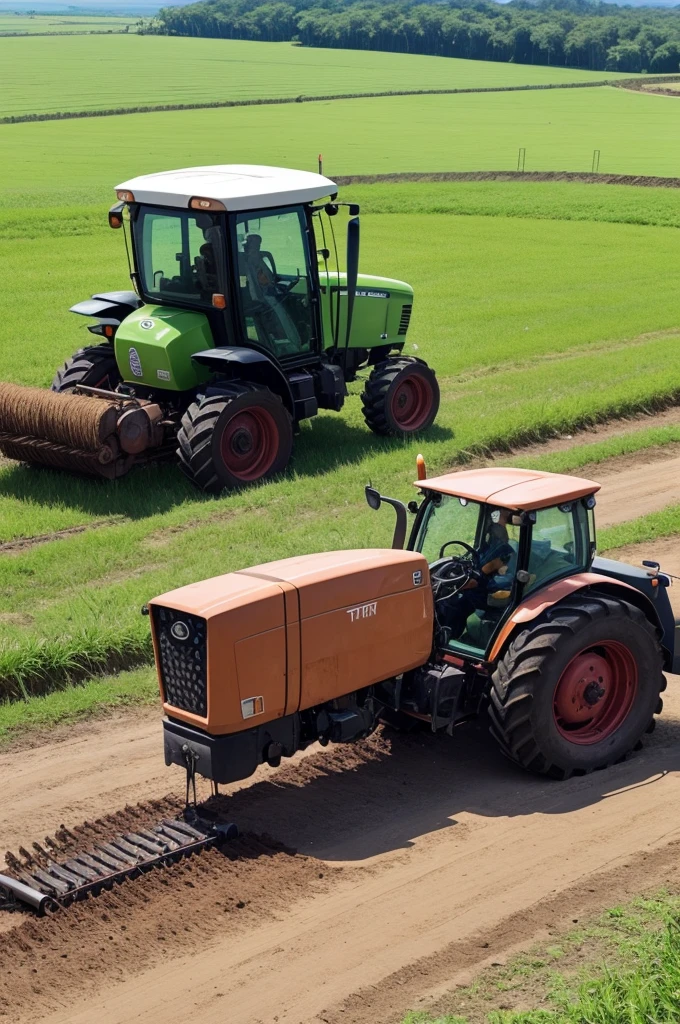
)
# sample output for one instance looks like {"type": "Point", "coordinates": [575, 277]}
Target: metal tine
{"type": "Point", "coordinates": [171, 833]}
{"type": "Point", "coordinates": [74, 865]}
{"type": "Point", "coordinates": [182, 826]}
{"type": "Point", "coordinates": [159, 836]}
{"type": "Point", "coordinates": [52, 883]}
{"type": "Point", "coordinates": [116, 859]}
{"type": "Point", "coordinates": [42, 852]}
{"type": "Point", "coordinates": [129, 849]}
{"type": "Point", "coordinates": [153, 848]}
{"type": "Point", "coordinates": [89, 861]}
{"type": "Point", "coordinates": [58, 871]}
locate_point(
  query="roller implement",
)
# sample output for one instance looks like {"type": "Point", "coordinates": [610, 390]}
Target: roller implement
{"type": "Point", "coordinates": [239, 328]}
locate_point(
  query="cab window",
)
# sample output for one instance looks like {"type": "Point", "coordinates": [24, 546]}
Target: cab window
{"type": "Point", "coordinates": [558, 543]}
{"type": "Point", "coordinates": [447, 518]}
{"type": "Point", "coordinates": [181, 255]}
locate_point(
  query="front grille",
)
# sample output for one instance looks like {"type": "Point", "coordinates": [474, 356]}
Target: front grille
{"type": "Point", "coordinates": [183, 654]}
{"type": "Point", "coordinates": [405, 319]}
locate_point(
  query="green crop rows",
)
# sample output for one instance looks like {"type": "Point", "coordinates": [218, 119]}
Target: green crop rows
{"type": "Point", "coordinates": [636, 133]}
{"type": "Point", "coordinates": [56, 24]}
{"type": "Point", "coordinates": [38, 77]}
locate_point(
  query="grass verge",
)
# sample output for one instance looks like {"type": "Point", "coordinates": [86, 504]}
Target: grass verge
{"type": "Point", "coordinates": [94, 696]}
{"type": "Point", "coordinates": [622, 968]}
{"type": "Point", "coordinates": [592, 454]}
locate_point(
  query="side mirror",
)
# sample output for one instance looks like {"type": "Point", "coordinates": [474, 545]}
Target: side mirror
{"type": "Point", "coordinates": [116, 215]}
{"type": "Point", "coordinates": [373, 498]}
{"type": "Point", "coordinates": [354, 209]}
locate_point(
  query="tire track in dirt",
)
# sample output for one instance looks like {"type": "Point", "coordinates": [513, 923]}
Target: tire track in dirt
{"type": "Point", "coordinates": [422, 843]}
{"type": "Point", "coordinates": [455, 965]}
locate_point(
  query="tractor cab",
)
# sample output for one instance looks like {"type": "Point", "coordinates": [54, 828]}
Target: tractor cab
{"type": "Point", "coordinates": [492, 539]}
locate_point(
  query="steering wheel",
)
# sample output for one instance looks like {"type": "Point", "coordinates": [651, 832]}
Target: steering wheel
{"type": "Point", "coordinates": [461, 543]}
{"type": "Point", "coordinates": [285, 289]}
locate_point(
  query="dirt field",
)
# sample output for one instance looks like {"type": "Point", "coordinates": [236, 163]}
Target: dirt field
{"type": "Point", "coordinates": [367, 879]}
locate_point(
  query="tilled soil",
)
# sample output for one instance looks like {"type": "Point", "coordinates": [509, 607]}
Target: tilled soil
{"type": "Point", "coordinates": [419, 858]}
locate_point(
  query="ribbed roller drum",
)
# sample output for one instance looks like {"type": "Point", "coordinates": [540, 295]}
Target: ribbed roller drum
{"type": "Point", "coordinates": [67, 431]}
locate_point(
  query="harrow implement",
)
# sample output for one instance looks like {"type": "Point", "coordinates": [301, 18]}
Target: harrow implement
{"type": "Point", "coordinates": [44, 883]}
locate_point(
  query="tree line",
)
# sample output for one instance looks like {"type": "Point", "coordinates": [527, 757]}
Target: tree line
{"type": "Point", "coordinates": [584, 34]}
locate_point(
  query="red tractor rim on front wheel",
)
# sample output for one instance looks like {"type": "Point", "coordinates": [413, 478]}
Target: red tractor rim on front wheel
{"type": "Point", "coordinates": [595, 693]}
{"type": "Point", "coordinates": [249, 444]}
{"type": "Point", "coordinates": [411, 402]}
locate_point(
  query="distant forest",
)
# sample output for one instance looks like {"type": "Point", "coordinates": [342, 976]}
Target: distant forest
{"type": "Point", "coordinates": [573, 33]}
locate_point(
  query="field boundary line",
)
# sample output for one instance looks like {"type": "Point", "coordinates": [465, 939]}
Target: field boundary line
{"type": "Point", "coordinates": [582, 177]}
{"type": "Point", "coordinates": [68, 115]}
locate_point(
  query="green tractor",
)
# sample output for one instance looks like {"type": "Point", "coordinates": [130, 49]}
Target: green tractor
{"type": "Point", "coordinates": [237, 330]}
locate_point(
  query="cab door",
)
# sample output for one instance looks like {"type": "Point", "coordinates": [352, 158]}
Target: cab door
{"type": "Point", "coordinates": [278, 311]}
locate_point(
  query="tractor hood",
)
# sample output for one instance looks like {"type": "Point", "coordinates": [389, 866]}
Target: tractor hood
{"type": "Point", "coordinates": [382, 309]}
{"type": "Point", "coordinates": [154, 346]}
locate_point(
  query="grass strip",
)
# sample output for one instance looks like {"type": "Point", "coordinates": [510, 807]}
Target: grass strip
{"type": "Point", "coordinates": [623, 968]}
{"type": "Point", "coordinates": [664, 523]}
{"type": "Point", "coordinates": [69, 115]}
{"type": "Point", "coordinates": [66, 640]}
{"type": "Point", "coordinates": [41, 665]}
{"type": "Point", "coordinates": [598, 451]}
{"type": "Point", "coordinates": [128, 689]}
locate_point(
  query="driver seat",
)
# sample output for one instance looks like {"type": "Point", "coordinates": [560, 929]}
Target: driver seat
{"type": "Point", "coordinates": [281, 333]}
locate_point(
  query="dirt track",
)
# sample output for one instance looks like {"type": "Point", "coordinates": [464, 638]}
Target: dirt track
{"type": "Point", "coordinates": [423, 856]}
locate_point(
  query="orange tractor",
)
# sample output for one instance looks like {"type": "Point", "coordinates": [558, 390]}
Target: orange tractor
{"type": "Point", "coordinates": [497, 603]}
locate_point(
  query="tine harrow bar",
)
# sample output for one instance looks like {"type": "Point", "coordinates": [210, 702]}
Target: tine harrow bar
{"type": "Point", "coordinates": [43, 884]}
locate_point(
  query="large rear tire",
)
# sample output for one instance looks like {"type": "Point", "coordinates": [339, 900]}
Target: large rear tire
{"type": "Point", "coordinates": [578, 688]}
{"type": "Point", "coordinates": [237, 437]}
{"type": "Point", "coordinates": [401, 397]}
{"type": "Point", "coordinates": [94, 366]}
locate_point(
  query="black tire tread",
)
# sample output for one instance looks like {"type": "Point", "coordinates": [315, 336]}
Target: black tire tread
{"type": "Point", "coordinates": [89, 363]}
{"type": "Point", "coordinates": [373, 399]}
{"type": "Point", "coordinates": [194, 436]}
{"type": "Point", "coordinates": [525, 664]}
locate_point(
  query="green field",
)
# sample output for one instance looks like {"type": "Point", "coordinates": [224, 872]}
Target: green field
{"type": "Point", "coordinates": [524, 319]}
{"type": "Point", "coordinates": [57, 24]}
{"type": "Point", "coordinates": [541, 306]}
{"type": "Point", "coordinates": [636, 133]}
{"type": "Point", "coordinates": [44, 76]}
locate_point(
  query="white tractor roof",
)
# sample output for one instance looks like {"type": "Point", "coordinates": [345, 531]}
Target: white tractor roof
{"type": "Point", "coordinates": [238, 186]}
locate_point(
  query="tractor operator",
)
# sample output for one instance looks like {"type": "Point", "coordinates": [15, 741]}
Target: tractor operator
{"type": "Point", "coordinates": [487, 588]}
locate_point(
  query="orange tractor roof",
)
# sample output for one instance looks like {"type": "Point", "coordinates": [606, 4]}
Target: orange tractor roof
{"type": "Point", "coordinates": [515, 489]}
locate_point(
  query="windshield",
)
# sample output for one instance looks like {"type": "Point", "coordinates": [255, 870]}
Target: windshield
{"type": "Point", "coordinates": [179, 255]}
{"type": "Point", "coordinates": [447, 518]}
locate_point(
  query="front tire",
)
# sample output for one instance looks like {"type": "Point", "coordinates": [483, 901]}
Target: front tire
{"type": "Point", "coordinates": [577, 689]}
{"type": "Point", "coordinates": [239, 436]}
{"type": "Point", "coordinates": [94, 366]}
{"type": "Point", "coordinates": [401, 397]}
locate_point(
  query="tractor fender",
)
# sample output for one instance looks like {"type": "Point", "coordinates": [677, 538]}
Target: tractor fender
{"type": "Point", "coordinates": [551, 595]}
{"type": "Point", "coordinates": [112, 307]}
{"type": "Point", "coordinates": [250, 365]}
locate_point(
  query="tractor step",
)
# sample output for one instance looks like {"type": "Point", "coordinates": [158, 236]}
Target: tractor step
{"type": "Point", "coordinates": [44, 883]}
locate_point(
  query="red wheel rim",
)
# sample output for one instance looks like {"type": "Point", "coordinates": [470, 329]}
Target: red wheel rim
{"type": "Point", "coordinates": [249, 444]}
{"type": "Point", "coordinates": [595, 693]}
{"type": "Point", "coordinates": [411, 402]}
